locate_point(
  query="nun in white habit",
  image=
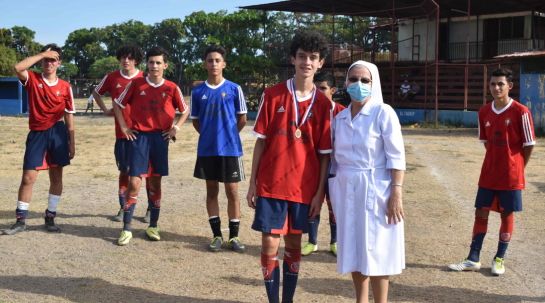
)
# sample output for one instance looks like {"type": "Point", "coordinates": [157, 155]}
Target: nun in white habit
{"type": "Point", "coordinates": [368, 162]}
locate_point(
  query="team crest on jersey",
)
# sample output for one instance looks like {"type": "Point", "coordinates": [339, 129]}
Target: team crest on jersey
{"type": "Point", "coordinates": [311, 114]}
{"type": "Point", "coordinates": [164, 95]}
{"type": "Point", "coordinates": [505, 237]}
{"type": "Point", "coordinates": [507, 122]}
{"type": "Point", "coordinates": [58, 93]}
{"type": "Point", "coordinates": [223, 94]}
{"type": "Point", "coordinates": [295, 267]}
{"type": "Point", "coordinates": [40, 85]}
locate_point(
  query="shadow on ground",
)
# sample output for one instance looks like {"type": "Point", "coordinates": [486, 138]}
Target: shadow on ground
{"type": "Point", "coordinates": [90, 290]}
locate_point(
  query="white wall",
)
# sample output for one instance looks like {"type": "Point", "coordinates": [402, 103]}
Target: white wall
{"type": "Point", "coordinates": [406, 31]}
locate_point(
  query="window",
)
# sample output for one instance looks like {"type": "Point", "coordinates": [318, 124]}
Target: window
{"type": "Point", "coordinates": [512, 28]}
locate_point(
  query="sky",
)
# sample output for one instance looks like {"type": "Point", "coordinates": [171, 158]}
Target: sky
{"type": "Point", "coordinates": [53, 21]}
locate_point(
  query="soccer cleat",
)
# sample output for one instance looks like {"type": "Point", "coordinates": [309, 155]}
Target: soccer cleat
{"type": "Point", "coordinates": [15, 228]}
{"type": "Point", "coordinates": [125, 238]}
{"type": "Point", "coordinates": [465, 265]}
{"type": "Point", "coordinates": [236, 245]}
{"type": "Point", "coordinates": [50, 225]}
{"type": "Point", "coordinates": [153, 233]}
{"type": "Point", "coordinates": [147, 217]}
{"type": "Point", "coordinates": [119, 216]}
{"type": "Point", "coordinates": [498, 267]}
{"type": "Point", "coordinates": [308, 248]}
{"type": "Point", "coordinates": [333, 248]}
{"type": "Point", "coordinates": [216, 244]}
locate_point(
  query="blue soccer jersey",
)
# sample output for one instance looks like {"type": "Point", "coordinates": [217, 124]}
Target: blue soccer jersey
{"type": "Point", "coordinates": [216, 108]}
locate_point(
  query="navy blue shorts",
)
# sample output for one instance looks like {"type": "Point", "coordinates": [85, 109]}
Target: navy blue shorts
{"type": "Point", "coordinates": [499, 200]}
{"type": "Point", "coordinates": [148, 155]}
{"type": "Point", "coordinates": [121, 152]}
{"type": "Point", "coordinates": [47, 148]}
{"type": "Point", "coordinates": [280, 217]}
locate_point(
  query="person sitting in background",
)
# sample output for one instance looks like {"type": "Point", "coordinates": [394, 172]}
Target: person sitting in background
{"type": "Point", "coordinates": [404, 89]}
{"type": "Point", "coordinates": [415, 90]}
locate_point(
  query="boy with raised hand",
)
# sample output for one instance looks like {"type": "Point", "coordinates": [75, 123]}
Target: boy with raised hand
{"type": "Point", "coordinates": [289, 163]}
{"type": "Point", "coordinates": [218, 111]}
{"type": "Point", "coordinates": [50, 143]}
{"type": "Point", "coordinates": [325, 83]}
{"type": "Point", "coordinates": [153, 102]}
{"type": "Point", "coordinates": [129, 55]}
{"type": "Point", "coordinates": [507, 131]}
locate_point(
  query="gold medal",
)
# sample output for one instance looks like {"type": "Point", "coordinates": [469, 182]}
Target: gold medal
{"type": "Point", "coordinates": [298, 133]}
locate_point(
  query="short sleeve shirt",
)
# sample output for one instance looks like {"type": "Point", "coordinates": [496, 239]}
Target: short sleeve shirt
{"type": "Point", "coordinates": [47, 102]}
{"type": "Point", "coordinates": [115, 83]}
{"type": "Point", "coordinates": [289, 168]}
{"type": "Point", "coordinates": [505, 133]}
{"type": "Point", "coordinates": [216, 108]}
{"type": "Point", "coordinates": [153, 106]}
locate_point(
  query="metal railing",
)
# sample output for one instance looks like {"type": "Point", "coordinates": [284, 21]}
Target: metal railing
{"type": "Point", "coordinates": [482, 50]}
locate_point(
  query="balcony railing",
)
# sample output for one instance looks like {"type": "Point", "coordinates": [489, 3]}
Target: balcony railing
{"type": "Point", "coordinates": [483, 50]}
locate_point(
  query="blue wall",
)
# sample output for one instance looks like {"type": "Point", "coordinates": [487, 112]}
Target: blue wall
{"type": "Point", "coordinates": [13, 98]}
{"type": "Point", "coordinates": [532, 94]}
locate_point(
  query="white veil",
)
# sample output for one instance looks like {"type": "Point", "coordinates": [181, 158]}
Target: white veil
{"type": "Point", "coordinates": [376, 90]}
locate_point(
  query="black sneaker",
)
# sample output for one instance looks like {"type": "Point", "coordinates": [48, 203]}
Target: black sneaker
{"type": "Point", "coordinates": [50, 225]}
{"type": "Point", "coordinates": [17, 227]}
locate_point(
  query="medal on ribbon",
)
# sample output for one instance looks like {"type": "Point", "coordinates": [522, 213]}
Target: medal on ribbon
{"type": "Point", "coordinates": [298, 125]}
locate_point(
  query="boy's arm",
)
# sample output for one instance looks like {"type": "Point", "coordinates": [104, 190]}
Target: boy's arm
{"type": "Point", "coordinates": [21, 67]}
{"type": "Point", "coordinates": [259, 148]}
{"type": "Point", "coordinates": [116, 105]}
{"type": "Point", "coordinates": [100, 102]}
{"type": "Point", "coordinates": [171, 134]}
{"type": "Point", "coordinates": [527, 153]}
{"type": "Point", "coordinates": [241, 121]}
{"type": "Point", "coordinates": [69, 121]}
{"type": "Point", "coordinates": [197, 125]}
{"type": "Point", "coordinates": [316, 203]}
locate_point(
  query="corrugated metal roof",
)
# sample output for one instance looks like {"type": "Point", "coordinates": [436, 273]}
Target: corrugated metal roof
{"type": "Point", "coordinates": [523, 54]}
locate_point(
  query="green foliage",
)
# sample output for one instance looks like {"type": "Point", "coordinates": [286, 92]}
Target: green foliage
{"type": "Point", "coordinates": [67, 71]}
{"type": "Point", "coordinates": [6, 39]}
{"type": "Point", "coordinates": [8, 58]}
{"type": "Point", "coordinates": [131, 31]}
{"type": "Point", "coordinates": [23, 42]}
{"type": "Point", "coordinates": [83, 47]}
{"type": "Point", "coordinates": [104, 66]}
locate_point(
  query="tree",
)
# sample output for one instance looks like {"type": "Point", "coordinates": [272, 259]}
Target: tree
{"type": "Point", "coordinates": [67, 71]}
{"type": "Point", "coordinates": [169, 34]}
{"type": "Point", "coordinates": [8, 58]}
{"type": "Point", "coordinates": [6, 39]}
{"type": "Point", "coordinates": [104, 66]}
{"type": "Point", "coordinates": [23, 42]}
{"type": "Point", "coordinates": [131, 31]}
{"type": "Point", "coordinates": [83, 46]}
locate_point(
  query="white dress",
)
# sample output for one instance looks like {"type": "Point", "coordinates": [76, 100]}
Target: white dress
{"type": "Point", "coordinates": [364, 151]}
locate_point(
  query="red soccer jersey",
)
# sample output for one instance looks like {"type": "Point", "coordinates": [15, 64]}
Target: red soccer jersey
{"type": "Point", "coordinates": [337, 108]}
{"type": "Point", "coordinates": [505, 133]}
{"type": "Point", "coordinates": [152, 106]}
{"type": "Point", "coordinates": [289, 167]}
{"type": "Point", "coordinates": [47, 102]}
{"type": "Point", "coordinates": [115, 83]}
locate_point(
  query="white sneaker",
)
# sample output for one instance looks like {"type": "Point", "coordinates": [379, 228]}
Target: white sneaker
{"type": "Point", "coordinates": [498, 267]}
{"type": "Point", "coordinates": [466, 265]}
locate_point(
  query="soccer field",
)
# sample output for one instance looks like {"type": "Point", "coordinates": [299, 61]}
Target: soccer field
{"type": "Point", "coordinates": [85, 264]}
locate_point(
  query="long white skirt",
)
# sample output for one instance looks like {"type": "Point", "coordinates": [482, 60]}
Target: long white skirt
{"type": "Point", "coordinates": [366, 242]}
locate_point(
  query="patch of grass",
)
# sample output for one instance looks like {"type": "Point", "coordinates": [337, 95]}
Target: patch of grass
{"type": "Point", "coordinates": [413, 167]}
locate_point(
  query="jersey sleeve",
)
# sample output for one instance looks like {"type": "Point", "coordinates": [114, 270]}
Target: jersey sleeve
{"type": "Point", "coordinates": [125, 96]}
{"type": "Point", "coordinates": [195, 107]}
{"type": "Point", "coordinates": [482, 132]}
{"type": "Point", "coordinates": [70, 106]}
{"type": "Point", "coordinates": [179, 102]}
{"type": "Point", "coordinates": [30, 78]}
{"type": "Point", "coordinates": [528, 135]}
{"type": "Point", "coordinates": [240, 102]}
{"type": "Point", "coordinates": [334, 165]}
{"type": "Point", "coordinates": [393, 140]}
{"type": "Point", "coordinates": [262, 118]}
{"type": "Point", "coordinates": [324, 145]}
{"type": "Point", "coordinates": [103, 86]}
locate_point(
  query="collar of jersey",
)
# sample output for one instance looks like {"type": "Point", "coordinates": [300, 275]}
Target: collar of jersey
{"type": "Point", "coordinates": [305, 98]}
{"type": "Point", "coordinates": [212, 86]}
{"type": "Point", "coordinates": [155, 85]}
{"type": "Point", "coordinates": [127, 77]}
{"type": "Point", "coordinates": [52, 84]}
{"type": "Point", "coordinates": [503, 109]}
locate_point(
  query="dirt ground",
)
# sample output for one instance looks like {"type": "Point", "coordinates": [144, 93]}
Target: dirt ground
{"type": "Point", "coordinates": [85, 264]}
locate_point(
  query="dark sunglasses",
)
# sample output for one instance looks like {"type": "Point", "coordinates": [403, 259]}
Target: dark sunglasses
{"type": "Point", "coordinates": [356, 79]}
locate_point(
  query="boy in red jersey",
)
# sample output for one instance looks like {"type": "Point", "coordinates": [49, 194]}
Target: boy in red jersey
{"type": "Point", "coordinates": [289, 163]}
{"type": "Point", "coordinates": [153, 102]}
{"type": "Point", "coordinates": [507, 131]}
{"type": "Point", "coordinates": [129, 55]}
{"type": "Point", "coordinates": [50, 143]}
{"type": "Point", "coordinates": [325, 82]}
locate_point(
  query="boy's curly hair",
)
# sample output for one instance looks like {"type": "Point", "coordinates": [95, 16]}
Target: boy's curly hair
{"type": "Point", "coordinates": [309, 41]}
